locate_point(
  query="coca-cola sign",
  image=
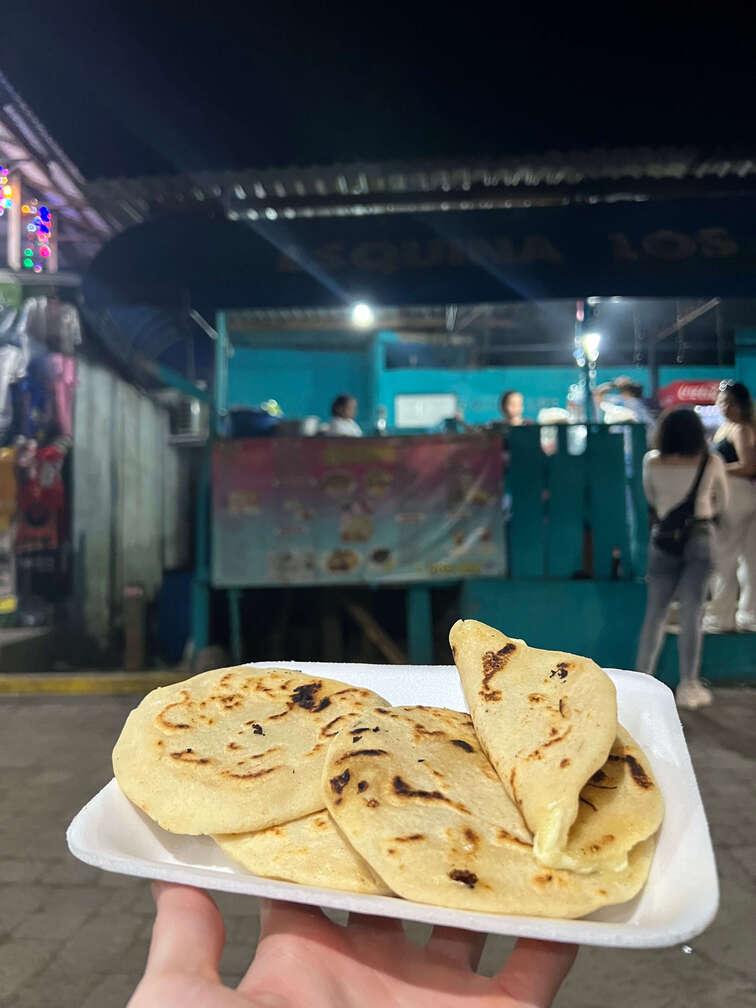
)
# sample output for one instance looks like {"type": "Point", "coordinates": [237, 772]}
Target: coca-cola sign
{"type": "Point", "coordinates": [689, 393]}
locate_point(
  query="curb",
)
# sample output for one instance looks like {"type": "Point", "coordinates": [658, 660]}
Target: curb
{"type": "Point", "coordinates": [95, 683]}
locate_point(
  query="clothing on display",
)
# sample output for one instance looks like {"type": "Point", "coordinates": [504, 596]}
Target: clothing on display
{"type": "Point", "coordinates": [7, 529]}
{"type": "Point", "coordinates": [41, 496]}
{"type": "Point", "coordinates": [63, 375]}
{"type": "Point", "coordinates": [8, 488]}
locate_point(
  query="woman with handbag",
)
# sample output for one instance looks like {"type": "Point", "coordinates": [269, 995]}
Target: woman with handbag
{"type": "Point", "coordinates": [686, 489]}
{"type": "Point", "coordinates": [733, 602]}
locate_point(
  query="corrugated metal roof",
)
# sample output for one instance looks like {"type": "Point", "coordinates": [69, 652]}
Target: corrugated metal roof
{"type": "Point", "coordinates": [354, 189]}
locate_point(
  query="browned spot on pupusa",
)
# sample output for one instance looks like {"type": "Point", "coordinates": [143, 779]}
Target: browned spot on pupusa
{"type": "Point", "coordinates": [606, 839]}
{"type": "Point", "coordinates": [229, 701]}
{"type": "Point", "coordinates": [536, 698]}
{"type": "Point", "coordinates": [503, 835]}
{"type": "Point", "coordinates": [638, 773]}
{"type": "Point", "coordinates": [471, 836]}
{"type": "Point", "coordinates": [352, 689]}
{"type": "Point", "coordinates": [543, 880]}
{"type": "Point", "coordinates": [339, 783]}
{"type": "Point", "coordinates": [362, 752]}
{"type": "Point", "coordinates": [564, 709]}
{"type": "Point", "coordinates": [403, 789]}
{"type": "Point", "coordinates": [252, 775]}
{"type": "Point", "coordinates": [372, 803]}
{"type": "Point", "coordinates": [162, 719]}
{"type": "Point", "coordinates": [603, 892]}
{"type": "Point", "coordinates": [561, 670]}
{"type": "Point", "coordinates": [412, 836]}
{"type": "Point", "coordinates": [260, 755]}
{"type": "Point", "coordinates": [564, 763]}
{"type": "Point", "coordinates": [326, 729]}
{"type": "Point", "coordinates": [392, 850]}
{"type": "Point", "coordinates": [233, 745]}
{"type": "Point", "coordinates": [320, 823]}
{"type": "Point", "coordinates": [420, 731]}
{"type": "Point", "coordinates": [494, 662]}
{"type": "Point", "coordinates": [468, 878]}
{"type": "Point", "coordinates": [362, 785]}
{"type": "Point", "coordinates": [512, 785]}
{"type": "Point", "coordinates": [558, 738]}
{"type": "Point", "coordinates": [462, 744]}
{"type": "Point", "coordinates": [189, 756]}
{"type": "Point", "coordinates": [305, 697]}
{"type": "Point", "coordinates": [597, 781]}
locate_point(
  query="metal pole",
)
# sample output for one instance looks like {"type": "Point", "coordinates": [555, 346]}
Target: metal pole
{"type": "Point", "coordinates": [653, 371]}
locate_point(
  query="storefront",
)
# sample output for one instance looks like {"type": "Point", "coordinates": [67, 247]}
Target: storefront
{"type": "Point", "coordinates": [418, 241]}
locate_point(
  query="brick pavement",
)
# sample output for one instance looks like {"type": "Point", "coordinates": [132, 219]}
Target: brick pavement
{"type": "Point", "coordinates": [74, 937]}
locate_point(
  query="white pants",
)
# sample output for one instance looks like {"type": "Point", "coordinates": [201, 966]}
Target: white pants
{"type": "Point", "coordinates": [733, 602]}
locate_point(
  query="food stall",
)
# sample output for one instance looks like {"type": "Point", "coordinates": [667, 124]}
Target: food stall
{"type": "Point", "coordinates": [294, 243]}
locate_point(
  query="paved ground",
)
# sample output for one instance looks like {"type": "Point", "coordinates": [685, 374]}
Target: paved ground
{"type": "Point", "coordinates": [73, 937]}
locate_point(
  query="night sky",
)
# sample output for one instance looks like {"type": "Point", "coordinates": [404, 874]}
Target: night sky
{"type": "Point", "coordinates": [133, 88]}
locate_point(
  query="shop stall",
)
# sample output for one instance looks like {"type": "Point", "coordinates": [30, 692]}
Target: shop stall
{"type": "Point", "coordinates": [290, 244]}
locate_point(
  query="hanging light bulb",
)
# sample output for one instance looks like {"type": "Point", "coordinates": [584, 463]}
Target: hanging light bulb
{"type": "Point", "coordinates": [363, 315]}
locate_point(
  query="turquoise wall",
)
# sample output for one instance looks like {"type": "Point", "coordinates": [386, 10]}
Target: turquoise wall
{"type": "Point", "coordinates": [598, 619]}
{"type": "Point", "coordinates": [304, 382]}
{"type": "Point", "coordinates": [479, 391]}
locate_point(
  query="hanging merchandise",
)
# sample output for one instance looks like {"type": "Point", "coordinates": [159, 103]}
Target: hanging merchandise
{"type": "Point", "coordinates": [7, 514]}
{"type": "Point", "coordinates": [63, 327]}
{"type": "Point", "coordinates": [63, 372]}
{"type": "Point", "coordinates": [13, 364]}
{"type": "Point", "coordinates": [8, 489]}
{"type": "Point", "coordinates": [41, 496]}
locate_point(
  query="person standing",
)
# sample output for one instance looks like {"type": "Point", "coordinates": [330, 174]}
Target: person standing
{"type": "Point", "coordinates": [343, 413]}
{"type": "Point", "coordinates": [679, 467]}
{"type": "Point", "coordinates": [735, 441]}
{"type": "Point", "coordinates": [511, 406]}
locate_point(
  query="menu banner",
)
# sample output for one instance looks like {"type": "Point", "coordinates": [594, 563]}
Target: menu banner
{"type": "Point", "coordinates": [349, 511]}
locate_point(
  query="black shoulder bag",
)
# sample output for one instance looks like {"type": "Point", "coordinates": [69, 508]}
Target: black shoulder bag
{"type": "Point", "coordinates": [672, 532]}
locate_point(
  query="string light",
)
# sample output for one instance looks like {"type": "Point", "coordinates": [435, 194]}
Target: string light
{"type": "Point", "coordinates": [39, 233]}
{"type": "Point", "coordinates": [7, 191]}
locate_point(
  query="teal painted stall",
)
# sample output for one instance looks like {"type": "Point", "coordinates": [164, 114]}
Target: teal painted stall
{"type": "Point", "coordinates": [577, 532]}
{"type": "Point", "coordinates": [597, 619]}
{"type": "Point", "coordinates": [305, 381]}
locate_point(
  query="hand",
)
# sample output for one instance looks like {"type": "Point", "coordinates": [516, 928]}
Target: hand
{"type": "Point", "coordinates": [303, 959]}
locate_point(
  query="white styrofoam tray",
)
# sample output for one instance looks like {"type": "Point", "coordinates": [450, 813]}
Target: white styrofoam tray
{"type": "Point", "coordinates": [679, 900]}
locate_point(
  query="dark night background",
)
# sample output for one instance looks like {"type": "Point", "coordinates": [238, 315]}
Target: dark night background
{"type": "Point", "coordinates": [141, 88]}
